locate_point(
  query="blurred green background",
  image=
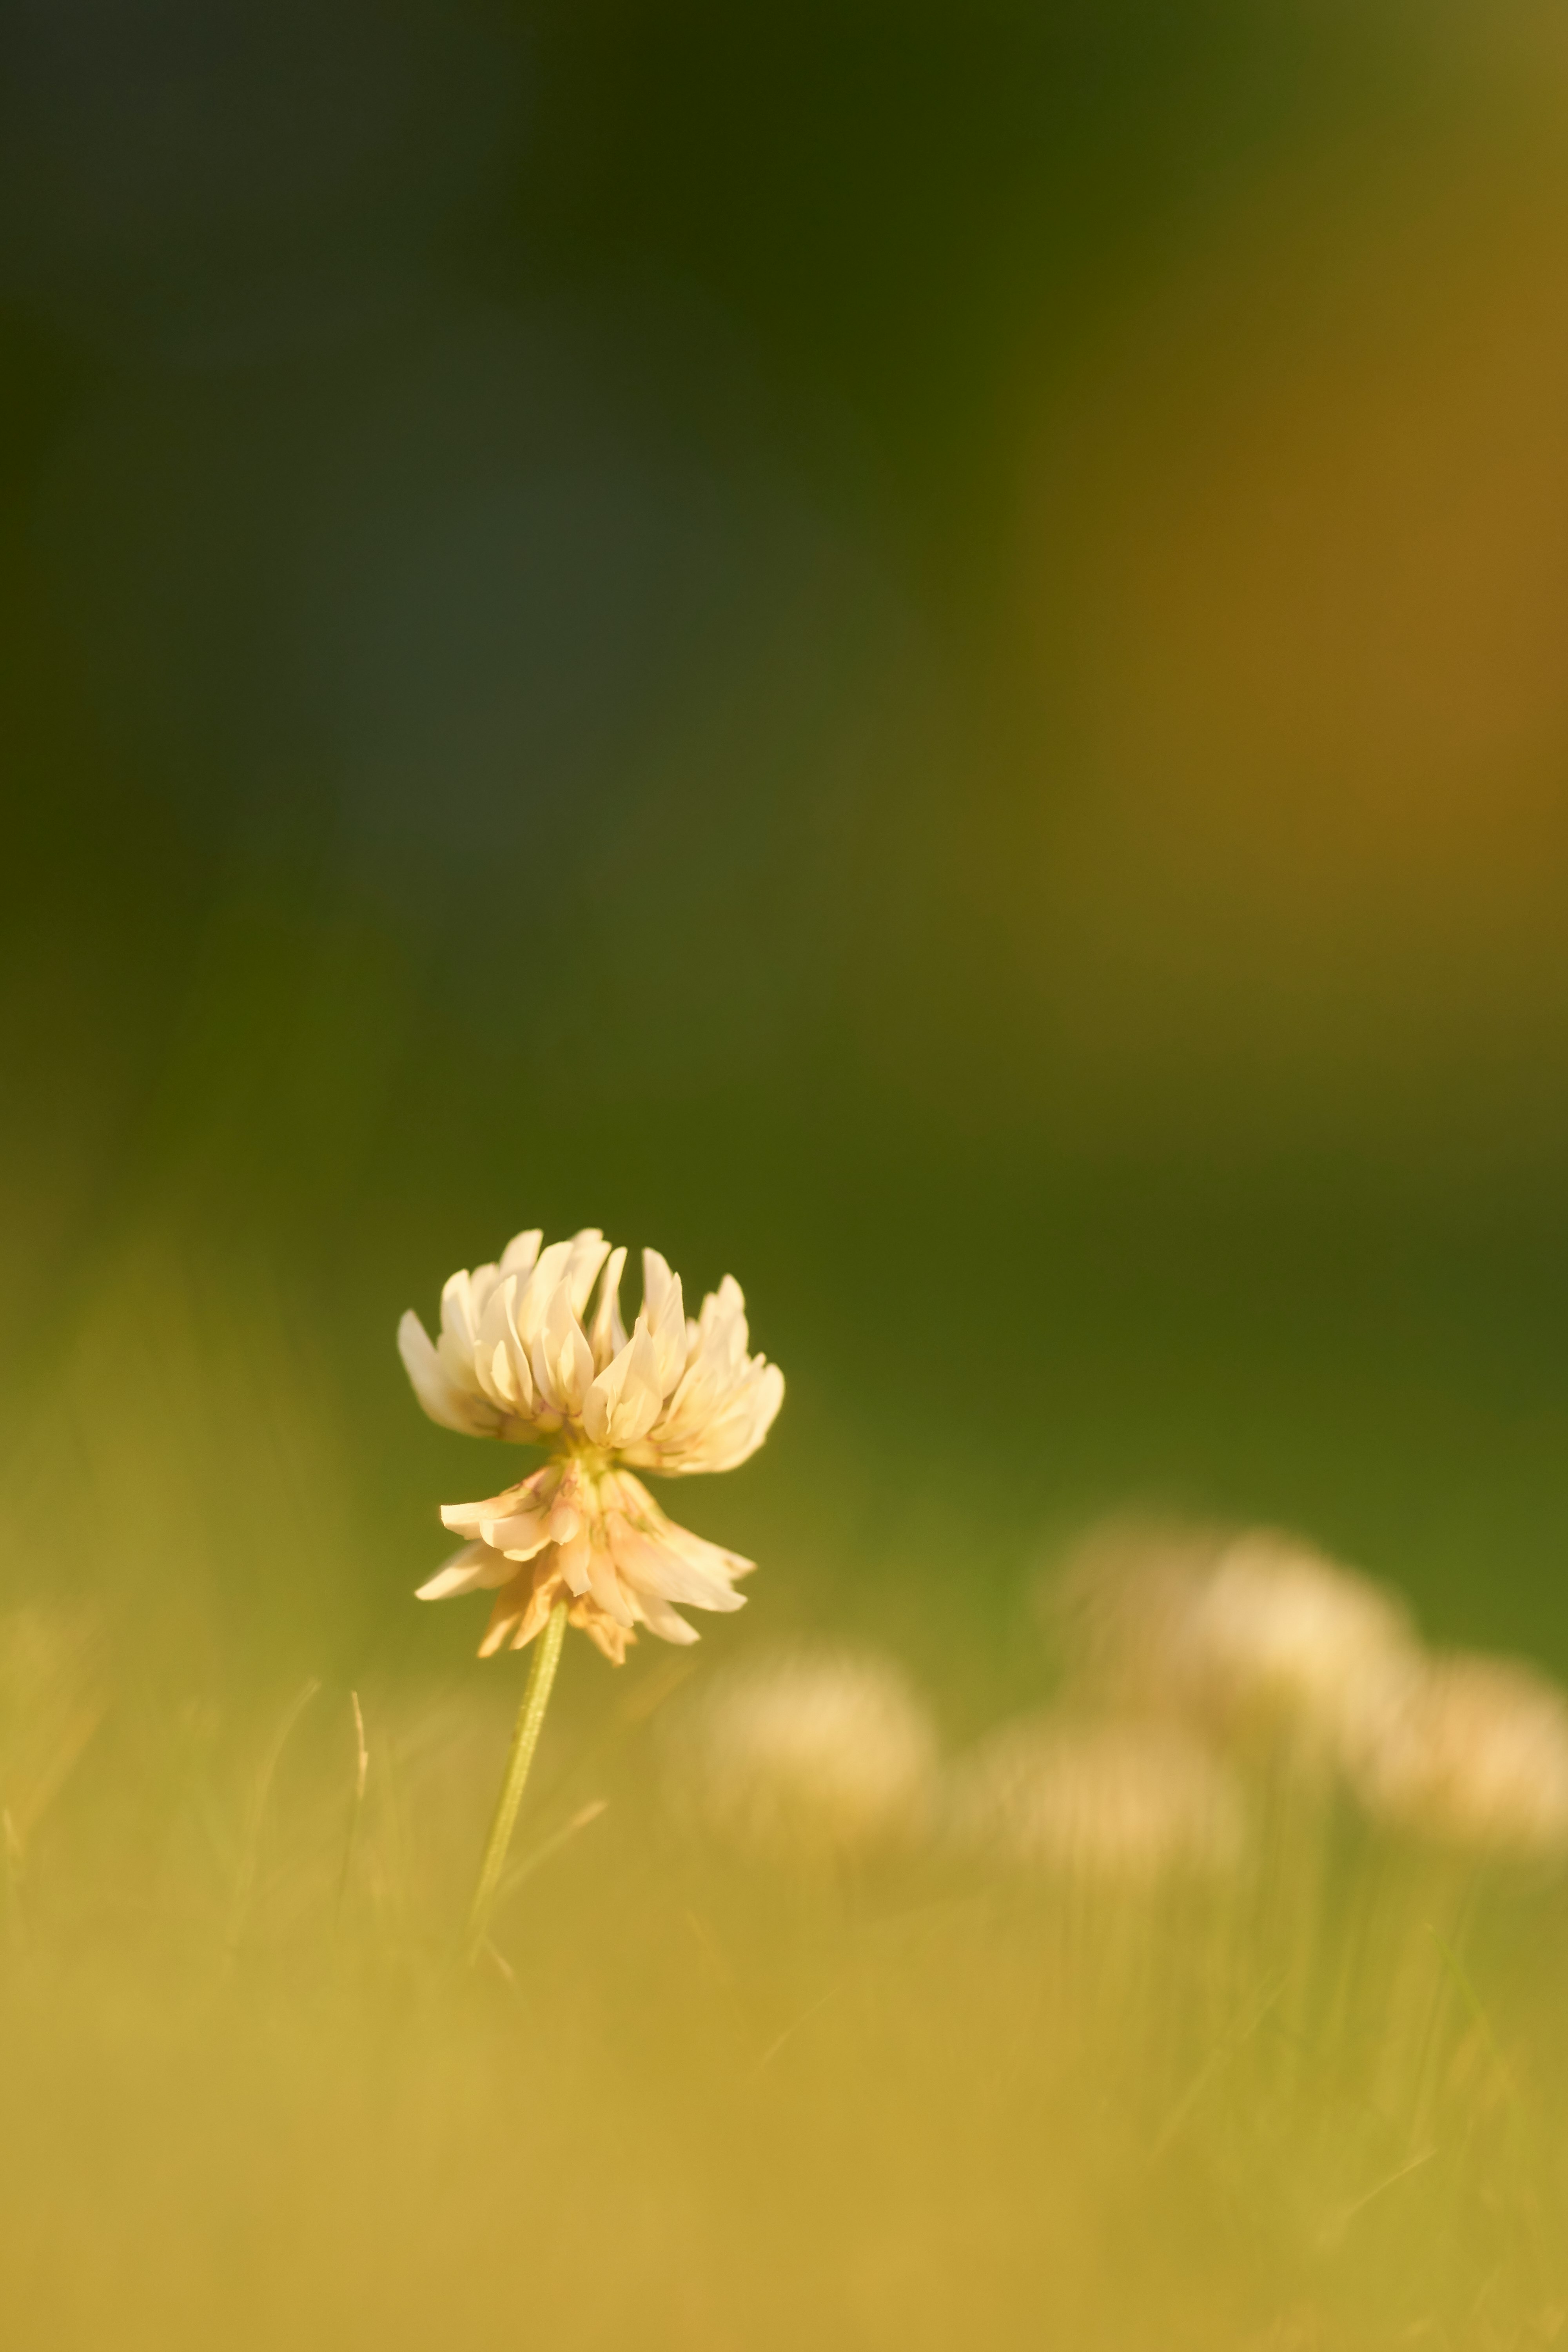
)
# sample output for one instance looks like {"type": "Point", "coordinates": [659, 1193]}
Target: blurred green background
{"type": "Point", "coordinates": [918, 653]}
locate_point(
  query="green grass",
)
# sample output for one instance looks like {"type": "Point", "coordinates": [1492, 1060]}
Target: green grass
{"type": "Point", "coordinates": [696, 2098]}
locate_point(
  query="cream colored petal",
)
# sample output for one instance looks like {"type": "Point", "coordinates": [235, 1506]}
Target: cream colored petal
{"type": "Point", "coordinates": [517, 1354]}
{"type": "Point", "coordinates": [520, 1608]}
{"type": "Point", "coordinates": [686, 1413]}
{"type": "Point", "coordinates": [546, 1592]}
{"type": "Point", "coordinates": [500, 1358]}
{"type": "Point", "coordinates": [624, 1401]}
{"type": "Point", "coordinates": [475, 1569]}
{"type": "Point", "coordinates": [572, 1561]}
{"type": "Point", "coordinates": [607, 1334]}
{"type": "Point", "coordinates": [702, 1431]}
{"type": "Point", "coordinates": [498, 1632]}
{"type": "Point", "coordinates": [499, 1383]}
{"type": "Point", "coordinates": [711, 1559]}
{"type": "Point", "coordinates": [722, 1324]}
{"type": "Point", "coordinates": [657, 1284]}
{"type": "Point", "coordinates": [521, 1252]}
{"type": "Point", "coordinates": [458, 1321]}
{"type": "Point", "coordinates": [738, 1429]}
{"type": "Point", "coordinates": [650, 1566]}
{"type": "Point", "coordinates": [483, 1284]}
{"type": "Point", "coordinates": [589, 1249]}
{"type": "Point", "coordinates": [520, 1537]}
{"type": "Point", "coordinates": [661, 1619]}
{"type": "Point", "coordinates": [633, 1499]}
{"type": "Point", "coordinates": [453, 1406]}
{"type": "Point", "coordinates": [468, 1518]}
{"type": "Point", "coordinates": [715, 1368]}
{"type": "Point", "coordinates": [596, 1408]}
{"type": "Point", "coordinates": [562, 1359]}
{"type": "Point", "coordinates": [600, 1401]}
{"type": "Point", "coordinates": [664, 1312]}
{"type": "Point", "coordinates": [602, 1631]}
{"type": "Point", "coordinates": [638, 1405]}
{"type": "Point", "coordinates": [606, 1588]}
{"type": "Point", "coordinates": [492, 1375]}
{"type": "Point", "coordinates": [513, 1604]}
{"type": "Point", "coordinates": [532, 1298]}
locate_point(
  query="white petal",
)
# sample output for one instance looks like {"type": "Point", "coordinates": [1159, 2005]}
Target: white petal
{"type": "Point", "coordinates": [562, 1359]}
{"type": "Point", "coordinates": [739, 1427]}
{"type": "Point", "coordinates": [482, 1286]}
{"type": "Point", "coordinates": [518, 1255]}
{"type": "Point", "coordinates": [624, 1401]}
{"type": "Point", "coordinates": [519, 1536]}
{"type": "Point", "coordinates": [533, 1299]}
{"type": "Point", "coordinates": [651, 1567]}
{"type": "Point", "coordinates": [502, 1353]}
{"type": "Point", "coordinates": [607, 1589]}
{"type": "Point", "coordinates": [458, 1321]}
{"type": "Point", "coordinates": [658, 1282]}
{"type": "Point", "coordinates": [588, 1253]}
{"type": "Point", "coordinates": [475, 1569]}
{"type": "Point", "coordinates": [715, 1559]}
{"type": "Point", "coordinates": [607, 1336]}
{"type": "Point", "coordinates": [572, 1561]}
{"type": "Point", "coordinates": [661, 1619]}
{"type": "Point", "coordinates": [665, 1313]}
{"type": "Point", "coordinates": [443, 1400]}
{"type": "Point", "coordinates": [530, 1493]}
{"type": "Point", "coordinates": [637, 1407]}
{"type": "Point", "coordinates": [722, 1321]}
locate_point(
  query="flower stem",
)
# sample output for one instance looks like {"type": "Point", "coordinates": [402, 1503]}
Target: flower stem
{"type": "Point", "coordinates": [524, 1740]}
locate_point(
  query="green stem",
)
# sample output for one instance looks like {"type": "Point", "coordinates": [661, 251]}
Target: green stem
{"type": "Point", "coordinates": [524, 1740]}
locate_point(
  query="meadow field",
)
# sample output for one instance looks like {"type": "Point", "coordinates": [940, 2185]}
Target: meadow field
{"type": "Point", "coordinates": [914, 656]}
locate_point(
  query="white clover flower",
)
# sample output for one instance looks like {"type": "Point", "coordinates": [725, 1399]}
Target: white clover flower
{"type": "Point", "coordinates": [1119, 1606]}
{"type": "Point", "coordinates": [1124, 1801]}
{"type": "Point", "coordinates": [808, 1752]}
{"type": "Point", "coordinates": [1279, 1636]}
{"type": "Point", "coordinates": [1469, 1751]}
{"type": "Point", "coordinates": [1255, 1634]}
{"type": "Point", "coordinates": [520, 1357]}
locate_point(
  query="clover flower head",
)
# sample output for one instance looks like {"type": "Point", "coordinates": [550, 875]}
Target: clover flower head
{"type": "Point", "coordinates": [1471, 1752]}
{"type": "Point", "coordinates": [1256, 1635]}
{"type": "Point", "coordinates": [534, 1349]}
{"type": "Point", "coordinates": [808, 1753]}
{"type": "Point", "coordinates": [1118, 1607]}
{"type": "Point", "coordinates": [1281, 1638]}
{"type": "Point", "coordinates": [1112, 1800]}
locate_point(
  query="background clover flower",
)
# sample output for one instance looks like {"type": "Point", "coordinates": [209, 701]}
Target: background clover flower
{"type": "Point", "coordinates": [1471, 1752]}
{"type": "Point", "coordinates": [1256, 1636]}
{"type": "Point", "coordinates": [520, 1356]}
{"type": "Point", "coordinates": [808, 1755]}
{"type": "Point", "coordinates": [1108, 1799]}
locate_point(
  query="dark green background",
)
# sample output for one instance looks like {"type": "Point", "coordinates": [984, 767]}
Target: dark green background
{"type": "Point", "coordinates": [515, 711]}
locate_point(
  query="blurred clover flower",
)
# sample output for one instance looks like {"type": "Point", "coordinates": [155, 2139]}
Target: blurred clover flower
{"type": "Point", "coordinates": [1279, 1638]}
{"type": "Point", "coordinates": [808, 1754]}
{"type": "Point", "coordinates": [1258, 1636]}
{"type": "Point", "coordinates": [1468, 1751]}
{"type": "Point", "coordinates": [520, 1356]}
{"type": "Point", "coordinates": [1122, 1800]}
